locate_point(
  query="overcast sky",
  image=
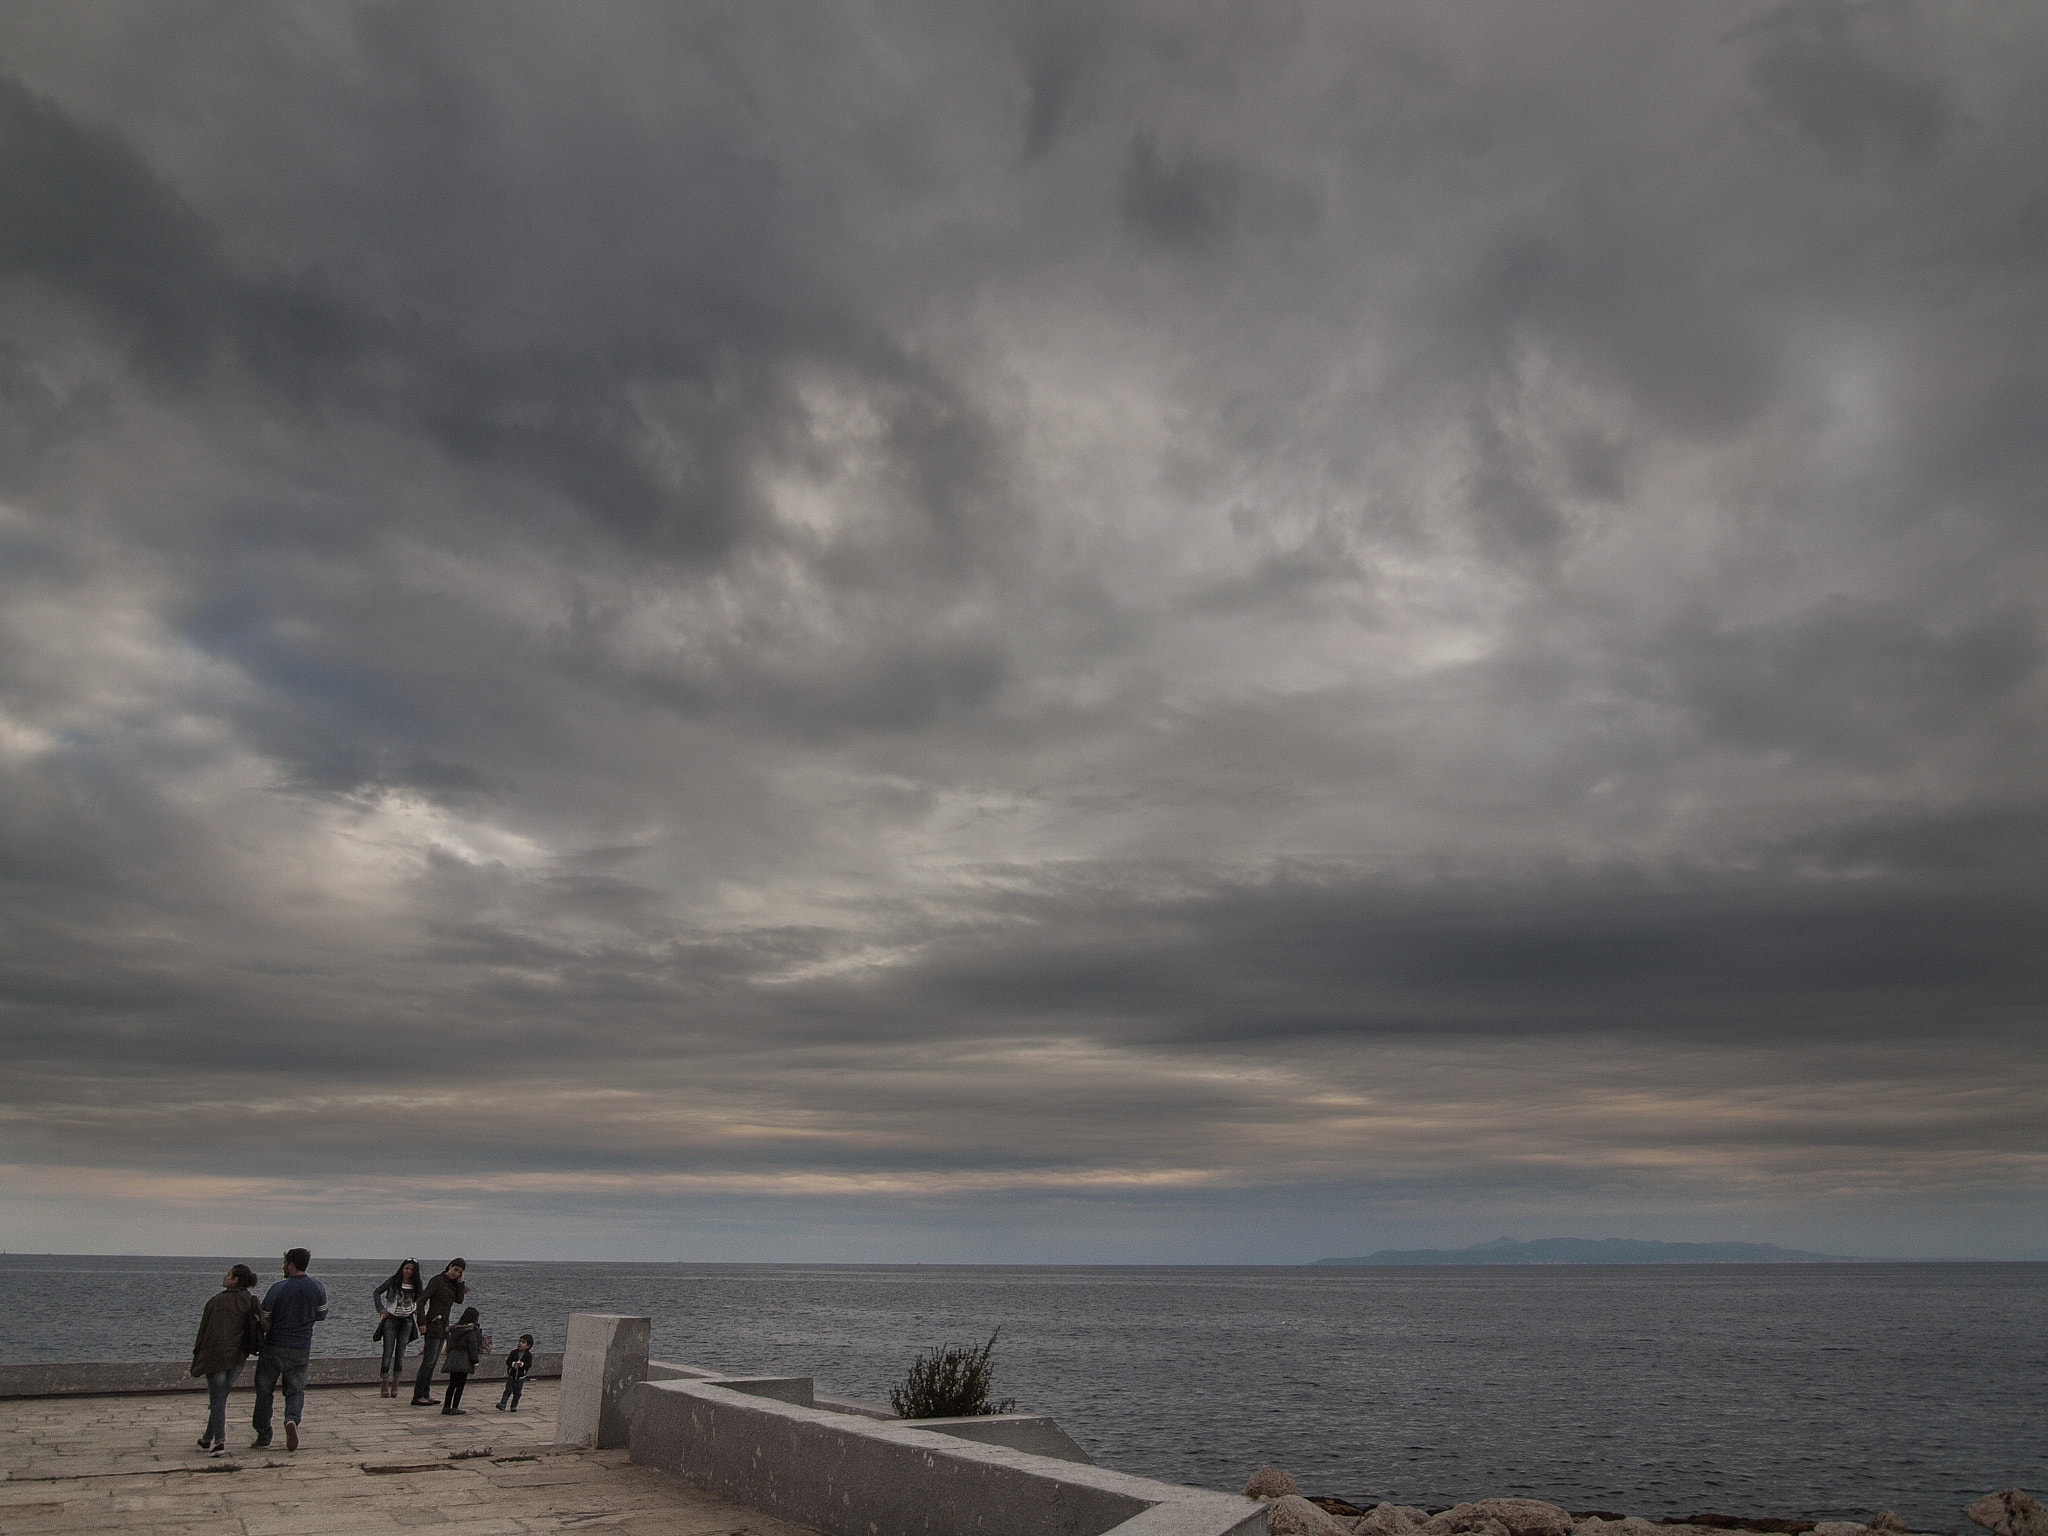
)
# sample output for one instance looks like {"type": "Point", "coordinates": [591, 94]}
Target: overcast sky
{"type": "Point", "coordinates": [1022, 633]}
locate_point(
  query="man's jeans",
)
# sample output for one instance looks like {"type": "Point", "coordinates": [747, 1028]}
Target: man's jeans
{"type": "Point", "coordinates": [290, 1364]}
{"type": "Point", "coordinates": [430, 1356]}
{"type": "Point", "coordinates": [218, 1385]}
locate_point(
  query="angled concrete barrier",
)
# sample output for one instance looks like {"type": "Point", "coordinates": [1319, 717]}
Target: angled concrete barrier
{"type": "Point", "coordinates": [121, 1378]}
{"type": "Point", "coordinates": [849, 1475]}
{"type": "Point", "coordinates": [604, 1359]}
{"type": "Point", "coordinates": [1033, 1432]}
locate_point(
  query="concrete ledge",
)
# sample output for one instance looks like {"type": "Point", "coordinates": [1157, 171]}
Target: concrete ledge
{"type": "Point", "coordinates": [849, 1475]}
{"type": "Point", "coordinates": [859, 1405]}
{"type": "Point", "coordinates": [1033, 1432]}
{"type": "Point", "coordinates": [603, 1359]}
{"type": "Point", "coordinates": [116, 1378]}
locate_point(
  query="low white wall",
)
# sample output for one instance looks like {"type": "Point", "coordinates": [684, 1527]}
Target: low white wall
{"type": "Point", "coordinates": [846, 1475]}
{"type": "Point", "coordinates": [1033, 1432]}
{"type": "Point", "coordinates": [848, 1468]}
{"type": "Point", "coordinates": [605, 1357]}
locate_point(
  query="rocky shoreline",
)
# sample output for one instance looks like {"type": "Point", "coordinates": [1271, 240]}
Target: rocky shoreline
{"type": "Point", "coordinates": [2008, 1512]}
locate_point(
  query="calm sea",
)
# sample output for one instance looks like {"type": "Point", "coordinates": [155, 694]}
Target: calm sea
{"type": "Point", "coordinates": [1826, 1391]}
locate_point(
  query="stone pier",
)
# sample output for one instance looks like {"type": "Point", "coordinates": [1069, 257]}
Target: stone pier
{"type": "Point", "coordinates": [365, 1466]}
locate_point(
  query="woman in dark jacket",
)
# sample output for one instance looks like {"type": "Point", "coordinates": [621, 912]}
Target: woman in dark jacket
{"type": "Point", "coordinates": [397, 1302]}
{"type": "Point", "coordinates": [221, 1347]}
{"type": "Point", "coordinates": [465, 1348]}
{"type": "Point", "coordinates": [437, 1303]}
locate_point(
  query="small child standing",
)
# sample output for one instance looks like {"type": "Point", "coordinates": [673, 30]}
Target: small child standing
{"type": "Point", "coordinates": [465, 1348]}
{"type": "Point", "coordinates": [517, 1365]}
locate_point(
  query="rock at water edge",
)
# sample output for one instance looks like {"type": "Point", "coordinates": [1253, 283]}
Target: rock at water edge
{"type": "Point", "coordinates": [1519, 1517]}
{"type": "Point", "coordinates": [1269, 1483]}
{"type": "Point", "coordinates": [1390, 1520]}
{"type": "Point", "coordinates": [1292, 1515]}
{"type": "Point", "coordinates": [2008, 1512]}
{"type": "Point", "coordinates": [1627, 1525]}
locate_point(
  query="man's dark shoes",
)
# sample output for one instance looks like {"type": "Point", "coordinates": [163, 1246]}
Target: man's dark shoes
{"type": "Point", "coordinates": [259, 1445]}
{"type": "Point", "coordinates": [205, 1444]}
{"type": "Point", "coordinates": [425, 1402]}
{"type": "Point", "coordinates": [291, 1435]}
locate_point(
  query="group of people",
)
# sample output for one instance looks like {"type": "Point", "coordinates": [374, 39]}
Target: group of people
{"type": "Point", "coordinates": [408, 1310]}
{"type": "Point", "coordinates": [278, 1331]}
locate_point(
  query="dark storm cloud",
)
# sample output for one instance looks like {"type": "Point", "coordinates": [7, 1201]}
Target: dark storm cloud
{"type": "Point", "coordinates": [1814, 65]}
{"type": "Point", "coordinates": [946, 611]}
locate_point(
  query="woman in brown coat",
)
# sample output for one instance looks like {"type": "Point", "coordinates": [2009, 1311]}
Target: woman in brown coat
{"type": "Point", "coordinates": [222, 1346]}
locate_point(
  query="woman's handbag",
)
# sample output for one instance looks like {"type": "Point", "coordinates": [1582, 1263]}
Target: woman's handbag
{"type": "Point", "coordinates": [252, 1332]}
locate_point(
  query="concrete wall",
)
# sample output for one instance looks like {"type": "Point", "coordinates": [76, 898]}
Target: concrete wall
{"type": "Point", "coordinates": [119, 1378]}
{"type": "Point", "coordinates": [847, 1475]}
{"type": "Point", "coordinates": [1033, 1432]}
{"type": "Point", "coordinates": [604, 1359]}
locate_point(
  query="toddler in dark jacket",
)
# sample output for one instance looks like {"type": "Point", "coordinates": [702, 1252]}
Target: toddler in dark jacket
{"type": "Point", "coordinates": [517, 1365]}
{"type": "Point", "coordinates": [465, 1348]}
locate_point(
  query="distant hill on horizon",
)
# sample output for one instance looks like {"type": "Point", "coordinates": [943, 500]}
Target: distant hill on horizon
{"type": "Point", "coordinates": [1605, 1250]}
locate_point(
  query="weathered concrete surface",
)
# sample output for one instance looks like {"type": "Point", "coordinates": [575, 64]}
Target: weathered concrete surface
{"type": "Point", "coordinates": [603, 1359]}
{"type": "Point", "coordinates": [668, 1370]}
{"type": "Point", "coordinates": [859, 1405]}
{"type": "Point", "coordinates": [128, 1464]}
{"type": "Point", "coordinates": [1033, 1432]}
{"type": "Point", "coordinates": [853, 1476]}
{"type": "Point", "coordinates": [110, 1378]}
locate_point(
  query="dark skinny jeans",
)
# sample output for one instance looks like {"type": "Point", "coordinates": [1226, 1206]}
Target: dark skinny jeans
{"type": "Point", "coordinates": [430, 1356]}
{"type": "Point", "coordinates": [218, 1385]}
{"type": "Point", "coordinates": [395, 1340]}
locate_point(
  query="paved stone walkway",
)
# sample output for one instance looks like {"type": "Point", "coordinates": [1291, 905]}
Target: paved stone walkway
{"type": "Point", "coordinates": [365, 1465]}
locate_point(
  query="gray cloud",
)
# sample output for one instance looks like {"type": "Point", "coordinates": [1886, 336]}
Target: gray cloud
{"type": "Point", "coordinates": [1419, 623]}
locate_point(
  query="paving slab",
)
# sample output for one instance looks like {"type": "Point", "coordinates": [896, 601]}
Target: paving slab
{"type": "Point", "coordinates": [366, 1465]}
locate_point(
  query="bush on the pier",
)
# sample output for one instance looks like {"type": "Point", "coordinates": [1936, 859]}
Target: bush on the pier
{"type": "Point", "coordinates": [951, 1383]}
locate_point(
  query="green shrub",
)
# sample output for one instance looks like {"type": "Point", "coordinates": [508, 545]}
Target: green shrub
{"type": "Point", "coordinates": [949, 1383]}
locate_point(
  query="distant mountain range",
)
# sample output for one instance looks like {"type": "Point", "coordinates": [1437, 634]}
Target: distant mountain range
{"type": "Point", "coordinates": [1606, 1250]}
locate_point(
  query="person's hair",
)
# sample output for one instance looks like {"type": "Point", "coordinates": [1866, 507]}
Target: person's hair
{"type": "Point", "coordinates": [397, 1279]}
{"type": "Point", "coordinates": [469, 1315]}
{"type": "Point", "coordinates": [299, 1258]}
{"type": "Point", "coordinates": [526, 1338]}
{"type": "Point", "coordinates": [454, 1264]}
{"type": "Point", "coordinates": [244, 1276]}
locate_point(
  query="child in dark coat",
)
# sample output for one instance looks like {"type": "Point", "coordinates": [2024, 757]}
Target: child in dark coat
{"type": "Point", "coordinates": [465, 1348]}
{"type": "Point", "coordinates": [517, 1365]}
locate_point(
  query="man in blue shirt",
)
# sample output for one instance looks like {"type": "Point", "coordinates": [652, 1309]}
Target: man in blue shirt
{"type": "Point", "coordinates": [291, 1307]}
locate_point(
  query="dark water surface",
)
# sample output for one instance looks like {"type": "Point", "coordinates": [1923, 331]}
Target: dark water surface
{"type": "Point", "coordinates": [1819, 1390]}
